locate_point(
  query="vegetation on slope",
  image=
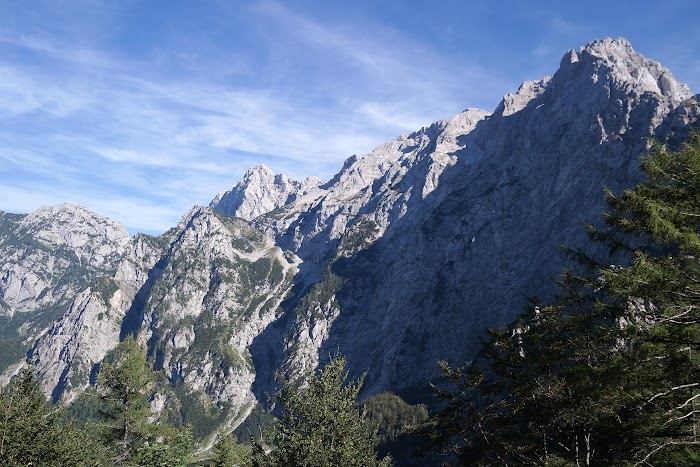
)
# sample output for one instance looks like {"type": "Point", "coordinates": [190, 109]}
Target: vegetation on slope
{"type": "Point", "coordinates": [608, 373]}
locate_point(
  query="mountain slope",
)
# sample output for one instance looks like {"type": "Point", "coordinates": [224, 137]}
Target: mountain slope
{"type": "Point", "coordinates": [402, 259]}
{"type": "Point", "coordinates": [48, 258]}
{"type": "Point", "coordinates": [197, 296]}
{"type": "Point", "coordinates": [461, 220]}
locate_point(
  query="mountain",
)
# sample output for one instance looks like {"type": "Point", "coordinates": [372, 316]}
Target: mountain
{"type": "Point", "coordinates": [421, 244]}
{"type": "Point", "coordinates": [400, 260]}
{"type": "Point", "coordinates": [261, 191]}
{"type": "Point", "coordinates": [49, 257]}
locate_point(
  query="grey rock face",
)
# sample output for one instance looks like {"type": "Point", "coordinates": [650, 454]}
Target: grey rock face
{"type": "Point", "coordinates": [41, 251]}
{"type": "Point", "coordinates": [259, 192]}
{"type": "Point", "coordinates": [197, 297]}
{"type": "Point", "coordinates": [466, 216]}
{"type": "Point", "coordinates": [402, 259]}
{"type": "Point", "coordinates": [49, 258]}
{"type": "Point", "coordinates": [67, 354]}
{"type": "Point", "coordinates": [681, 121]}
{"type": "Point", "coordinates": [221, 284]}
{"type": "Point", "coordinates": [378, 188]}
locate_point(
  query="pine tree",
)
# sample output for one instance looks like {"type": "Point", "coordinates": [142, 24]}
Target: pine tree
{"type": "Point", "coordinates": [609, 372]}
{"type": "Point", "coordinates": [228, 453]}
{"type": "Point", "coordinates": [167, 447]}
{"type": "Point", "coordinates": [546, 390]}
{"type": "Point", "coordinates": [663, 284]}
{"type": "Point", "coordinates": [321, 425]}
{"type": "Point", "coordinates": [125, 385]}
{"type": "Point", "coordinates": [32, 432]}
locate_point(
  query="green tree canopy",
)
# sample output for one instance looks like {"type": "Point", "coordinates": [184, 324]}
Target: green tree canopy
{"type": "Point", "coordinates": [662, 286]}
{"type": "Point", "coordinates": [321, 425]}
{"type": "Point", "coordinates": [125, 385]}
{"type": "Point", "coordinates": [227, 452]}
{"type": "Point", "coordinates": [32, 432]}
{"type": "Point", "coordinates": [608, 372]}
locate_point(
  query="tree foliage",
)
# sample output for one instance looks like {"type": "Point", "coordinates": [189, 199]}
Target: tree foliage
{"type": "Point", "coordinates": [393, 419]}
{"type": "Point", "coordinates": [227, 452]}
{"type": "Point", "coordinates": [170, 447]}
{"type": "Point", "coordinates": [607, 373]}
{"type": "Point", "coordinates": [321, 425]}
{"type": "Point", "coordinates": [390, 416]}
{"type": "Point", "coordinates": [662, 330]}
{"type": "Point", "coordinates": [548, 389]}
{"type": "Point", "coordinates": [125, 384]}
{"type": "Point", "coordinates": [32, 432]}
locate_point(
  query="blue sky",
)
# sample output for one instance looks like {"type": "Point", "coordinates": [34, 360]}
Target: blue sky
{"type": "Point", "coordinates": [141, 109]}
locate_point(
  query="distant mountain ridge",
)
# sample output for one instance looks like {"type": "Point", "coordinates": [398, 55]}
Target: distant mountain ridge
{"type": "Point", "coordinates": [400, 260]}
{"type": "Point", "coordinates": [260, 192]}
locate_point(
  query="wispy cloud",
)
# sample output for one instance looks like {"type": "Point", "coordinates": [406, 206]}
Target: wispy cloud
{"type": "Point", "coordinates": [86, 126]}
{"type": "Point", "coordinates": [563, 26]}
{"type": "Point", "coordinates": [141, 120]}
{"type": "Point", "coordinates": [392, 115]}
{"type": "Point", "coordinates": [22, 91]}
{"type": "Point", "coordinates": [391, 62]}
{"type": "Point", "coordinates": [55, 49]}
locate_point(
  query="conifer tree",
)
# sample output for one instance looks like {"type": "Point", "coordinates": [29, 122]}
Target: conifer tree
{"type": "Point", "coordinates": [663, 285]}
{"type": "Point", "coordinates": [227, 452]}
{"type": "Point", "coordinates": [321, 425]}
{"type": "Point", "coordinates": [125, 384]}
{"type": "Point", "coordinates": [609, 371]}
{"type": "Point", "coordinates": [32, 432]}
{"type": "Point", "coordinates": [544, 391]}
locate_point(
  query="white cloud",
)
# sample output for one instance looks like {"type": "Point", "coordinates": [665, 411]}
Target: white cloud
{"type": "Point", "coordinates": [391, 115]}
{"type": "Point", "coordinates": [393, 64]}
{"type": "Point", "coordinates": [55, 49]}
{"type": "Point", "coordinates": [22, 91]}
{"type": "Point", "coordinates": [562, 26]}
{"type": "Point", "coordinates": [140, 144]}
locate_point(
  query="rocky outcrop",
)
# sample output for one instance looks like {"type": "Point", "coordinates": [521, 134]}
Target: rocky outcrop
{"type": "Point", "coordinates": [261, 191]}
{"type": "Point", "coordinates": [49, 255]}
{"type": "Point", "coordinates": [197, 297]}
{"type": "Point", "coordinates": [49, 259]}
{"type": "Point", "coordinates": [221, 284]}
{"type": "Point", "coordinates": [400, 260]}
{"type": "Point", "coordinates": [67, 356]}
{"type": "Point", "coordinates": [464, 218]}
{"type": "Point", "coordinates": [378, 188]}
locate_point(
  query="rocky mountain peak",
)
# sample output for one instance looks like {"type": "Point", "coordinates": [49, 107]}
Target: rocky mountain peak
{"type": "Point", "coordinates": [258, 171]}
{"type": "Point", "coordinates": [616, 71]}
{"type": "Point", "coordinates": [72, 225]}
{"type": "Point", "coordinates": [53, 253]}
{"type": "Point", "coordinates": [92, 238]}
{"type": "Point", "coordinates": [261, 191]}
{"type": "Point", "coordinates": [625, 67]}
{"type": "Point", "coordinates": [197, 228]}
{"type": "Point", "coordinates": [486, 195]}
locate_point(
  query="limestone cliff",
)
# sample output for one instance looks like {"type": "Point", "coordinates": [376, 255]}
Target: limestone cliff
{"type": "Point", "coordinates": [400, 260]}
